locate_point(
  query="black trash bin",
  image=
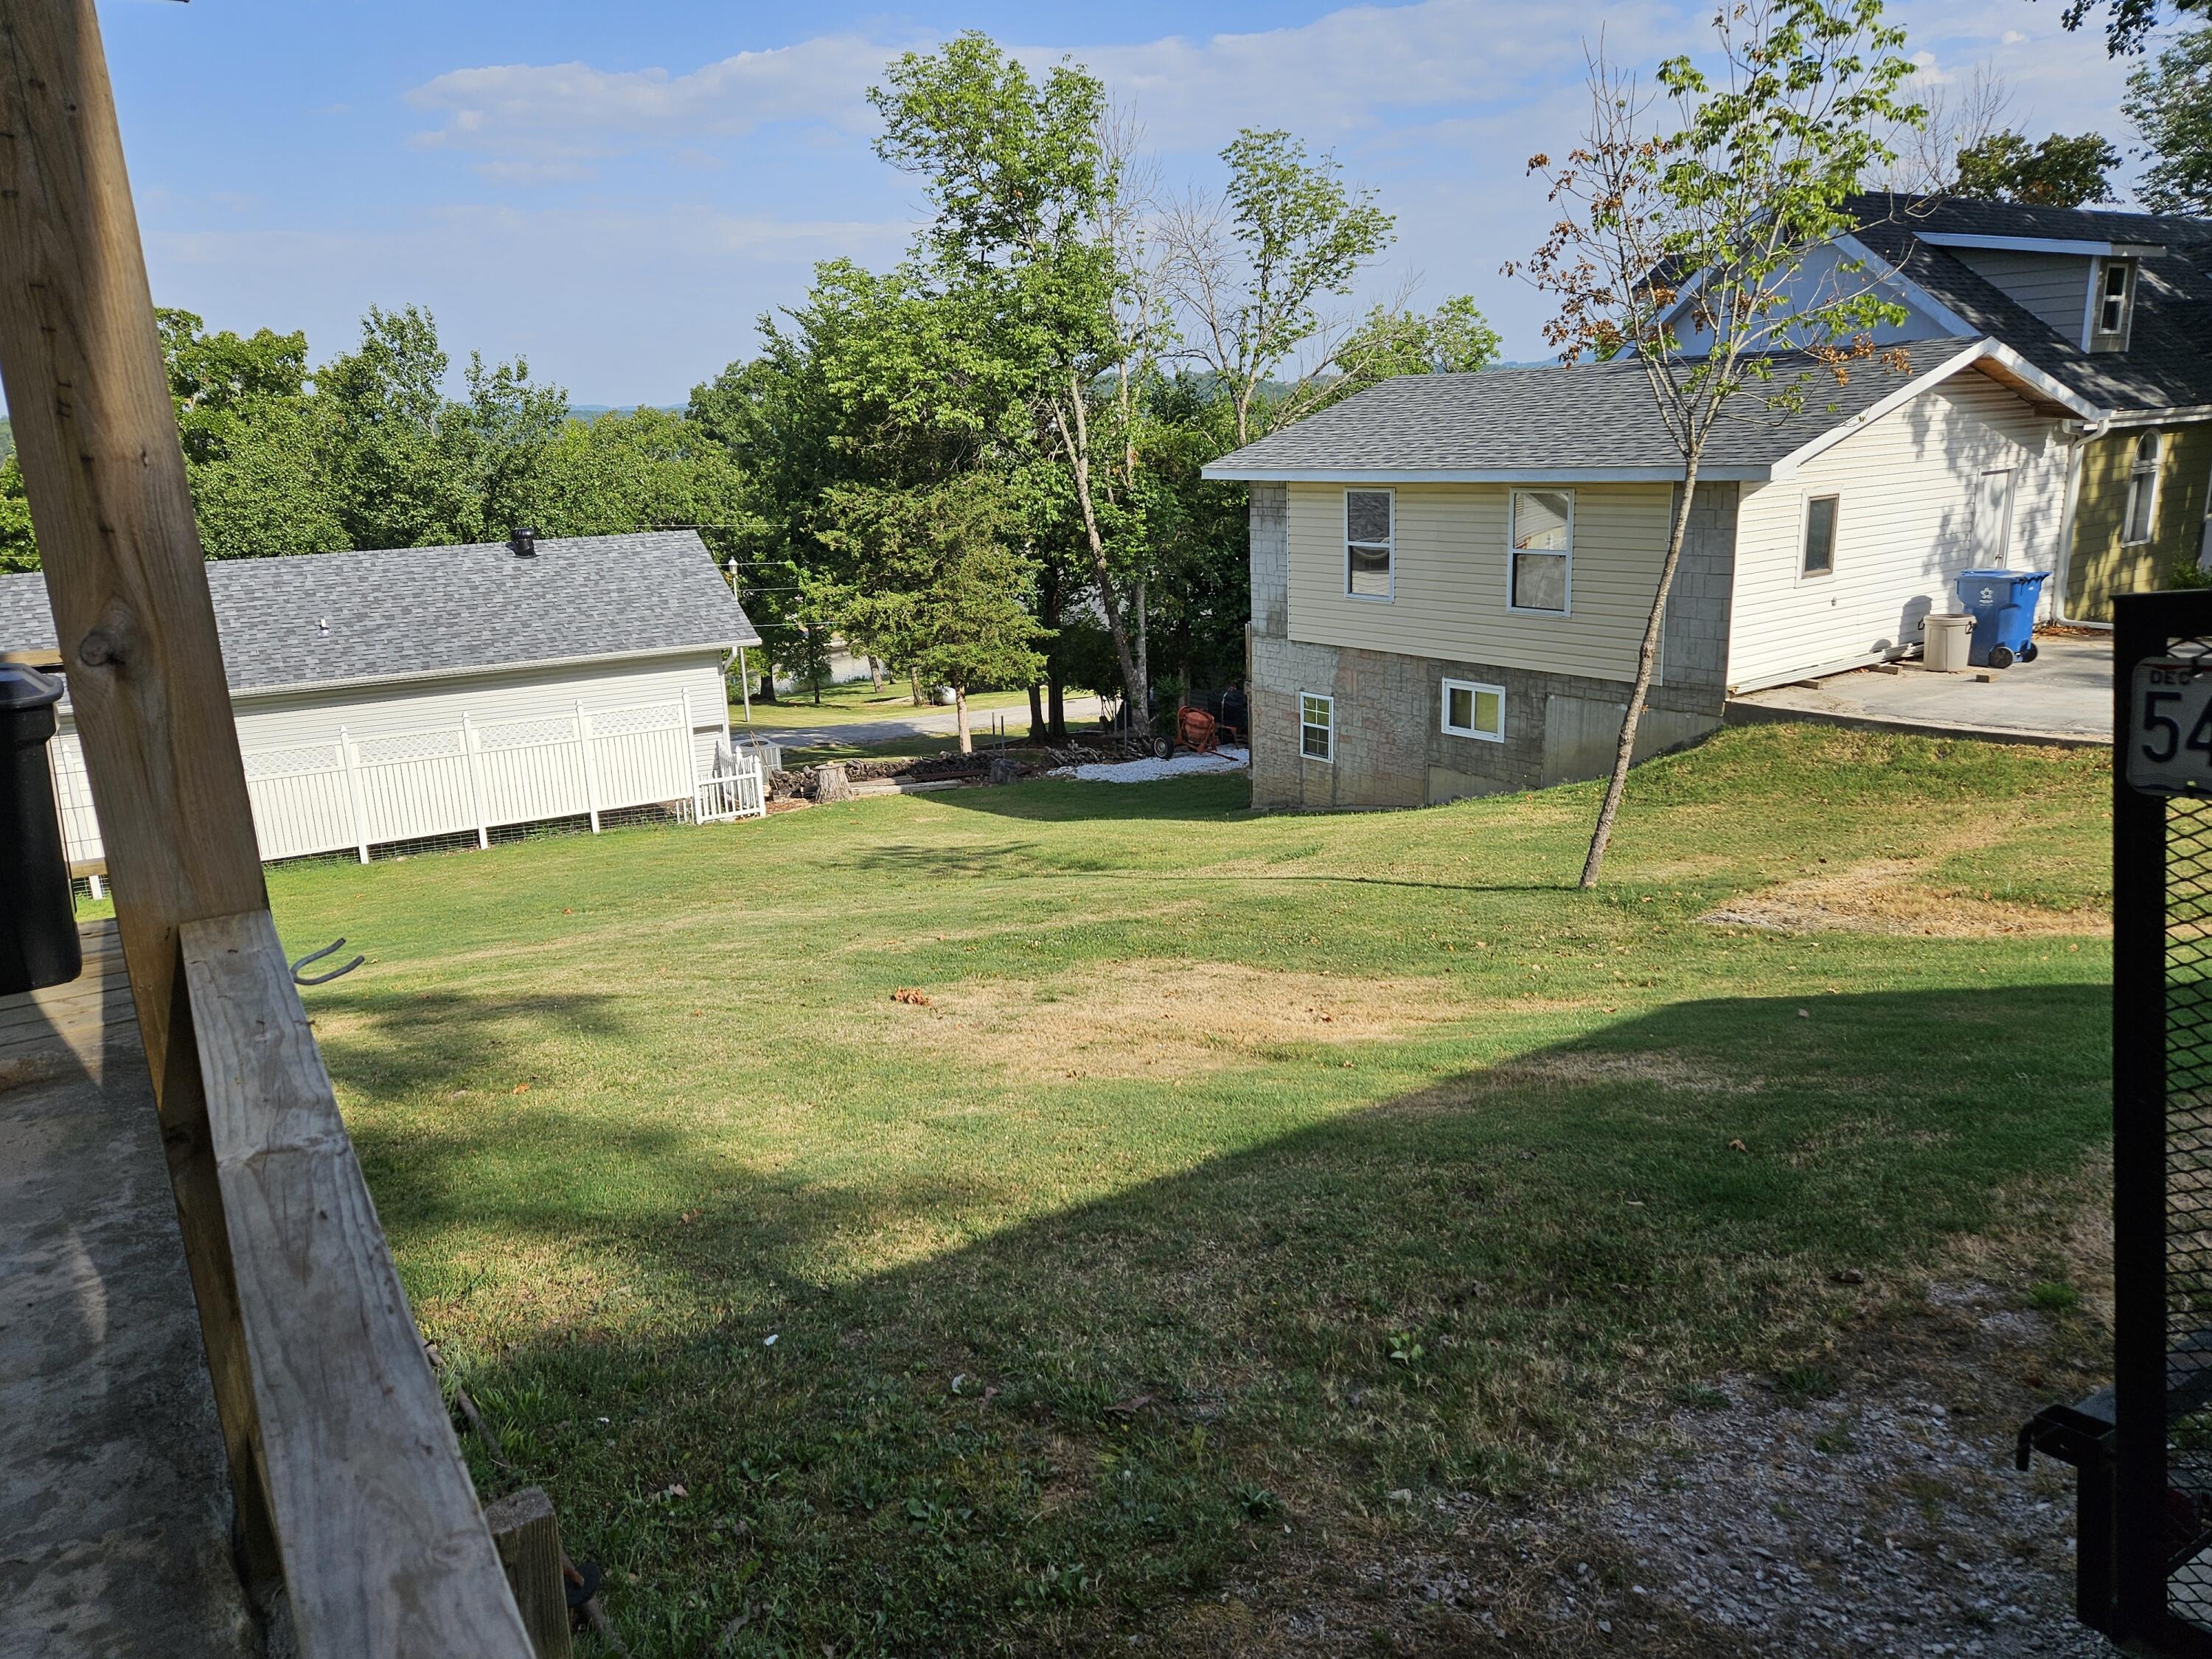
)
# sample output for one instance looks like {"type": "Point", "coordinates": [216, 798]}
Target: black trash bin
{"type": "Point", "coordinates": [37, 914]}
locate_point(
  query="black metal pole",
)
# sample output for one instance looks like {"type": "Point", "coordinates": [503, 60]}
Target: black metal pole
{"type": "Point", "coordinates": [2144, 625]}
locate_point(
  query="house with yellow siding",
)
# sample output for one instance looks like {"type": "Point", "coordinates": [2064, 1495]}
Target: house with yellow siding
{"type": "Point", "coordinates": [1451, 574]}
{"type": "Point", "coordinates": [2117, 308]}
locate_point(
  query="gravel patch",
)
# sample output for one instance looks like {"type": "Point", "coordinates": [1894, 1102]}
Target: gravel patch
{"type": "Point", "coordinates": [1873, 1524]}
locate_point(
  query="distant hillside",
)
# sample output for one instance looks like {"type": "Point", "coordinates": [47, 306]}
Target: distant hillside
{"type": "Point", "coordinates": [593, 411]}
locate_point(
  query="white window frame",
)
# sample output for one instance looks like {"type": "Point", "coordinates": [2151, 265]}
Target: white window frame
{"type": "Point", "coordinates": [1512, 517]}
{"type": "Point", "coordinates": [1835, 536]}
{"type": "Point", "coordinates": [2144, 476]}
{"type": "Point", "coordinates": [2093, 320]}
{"type": "Point", "coordinates": [1473, 688]}
{"type": "Point", "coordinates": [1306, 726]}
{"type": "Point", "coordinates": [1389, 545]}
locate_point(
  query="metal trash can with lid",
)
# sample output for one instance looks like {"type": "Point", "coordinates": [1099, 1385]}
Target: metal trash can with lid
{"type": "Point", "coordinates": [2003, 604]}
{"type": "Point", "coordinates": [38, 912]}
{"type": "Point", "coordinates": [1948, 638]}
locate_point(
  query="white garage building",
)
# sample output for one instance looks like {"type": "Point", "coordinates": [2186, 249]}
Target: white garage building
{"type": "Point", "coordinates": [422, 694]}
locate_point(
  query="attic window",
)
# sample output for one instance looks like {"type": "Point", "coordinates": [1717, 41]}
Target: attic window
{"type": "Point", "coordinates": [2114, 299]}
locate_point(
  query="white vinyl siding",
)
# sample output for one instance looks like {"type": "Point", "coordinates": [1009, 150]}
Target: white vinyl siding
{"type": "Point", "coordinates": [2053, 287]}
{"type": "Point", "coordinates": [1449, 563]}
{"type": "Point", "coordinates": [296, 717]}
{"type": "Point", "coordinates": [1907, 489]}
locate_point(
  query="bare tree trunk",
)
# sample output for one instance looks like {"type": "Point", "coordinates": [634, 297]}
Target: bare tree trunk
{"type": "Point", "coordinates": [1075, 439]}
{"type": "Point", "coordinates": [914, 685]}
{"type": "Point", "coordinates": [875, 676]}
{"type": "Point", "coordinates": [960, 718]}
{"type": "Point", "coordinates": [1056, 711]}
{"type": "Point", "coordinates": [1036, 711]}
{"type": "Point", "coordinates": [1646, 657]}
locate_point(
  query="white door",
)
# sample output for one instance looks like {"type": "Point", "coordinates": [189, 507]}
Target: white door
{"type": "Point", "coordinates": [1993, 521]}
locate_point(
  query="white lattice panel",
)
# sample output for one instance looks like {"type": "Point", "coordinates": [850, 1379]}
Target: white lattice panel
{"type": "Point", "coordinates": [306, 758]}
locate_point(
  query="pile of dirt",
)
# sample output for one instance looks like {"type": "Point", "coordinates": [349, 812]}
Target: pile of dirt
{"type": "Point", "coordinates": [1893, 896]}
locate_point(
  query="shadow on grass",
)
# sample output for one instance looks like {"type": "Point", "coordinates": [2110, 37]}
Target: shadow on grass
{"type": "Point", "coordinates": [1077, 1422]}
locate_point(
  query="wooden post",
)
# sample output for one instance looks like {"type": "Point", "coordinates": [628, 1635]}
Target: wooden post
{"type": "Point", "coordinates": [528, 1539]}
{"type": "Point", "coordinates": [386, 1553]}
{"type": "Point", "coordinates": [96, 436]}
{"type": "Point", "coordinates": [343, 1466]}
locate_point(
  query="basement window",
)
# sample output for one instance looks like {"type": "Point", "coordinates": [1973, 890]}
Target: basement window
{"type": "Point", "coordinates": [1316, 726]}
{"type": "Point", "coordinates": [1474, 710]}
{"type": "Point", "coordinates": [1820, 535]}
{"type": "Point", "coordinates": [1367, 535]}
{"type": "Point", "coordinates": [2142, 516]}
{"type": "Point", "coordinates": [1541, 543]}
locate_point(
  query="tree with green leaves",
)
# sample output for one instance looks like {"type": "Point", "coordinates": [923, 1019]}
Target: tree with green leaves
{"type": "Point", "coordinates": [1254, 268]}
{"type": "Point", "coordinates": [2130, 22]}
{"type": "Point", "coordinates": [19, 549]}
{"type": "Point", "coordinates": [2169, 101]}
{"type": "Point", "coordinates": [2058, 172]}
{"type": "Point", "coordinates": [254, 453]}
{"type": "Point", "coordinates": [946, 597]}
{"type": "Point", "coordinates": [1680, 249]}
{"type": "Point", "coordinates": [1031, 240]}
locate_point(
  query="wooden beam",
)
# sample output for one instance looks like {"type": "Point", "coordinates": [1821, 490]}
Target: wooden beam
{"type": "Point", "coordinates": [528, 1539]}
{"type": "Point", "coordinates": [96, 437]}
{"type": "Point", "coordinates": [386, 1555]}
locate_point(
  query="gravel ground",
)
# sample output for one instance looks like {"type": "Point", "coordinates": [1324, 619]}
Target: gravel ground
{"type": "Point", "coordinates": [1885, 1518]}
{"type": "Point", "coordinates": [1875, 1524]}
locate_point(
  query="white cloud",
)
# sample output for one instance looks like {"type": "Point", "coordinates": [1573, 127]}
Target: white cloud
{"type": "Point", "coordinates": [1349, 71]}
{"type": "Point", "coordinates": [568, 113]}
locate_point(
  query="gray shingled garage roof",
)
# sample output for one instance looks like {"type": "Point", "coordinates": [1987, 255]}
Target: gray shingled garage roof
{"type": "Point", "coordinates": [1591, 422]}
{"type": "Point", "coordinates": [415, 612]}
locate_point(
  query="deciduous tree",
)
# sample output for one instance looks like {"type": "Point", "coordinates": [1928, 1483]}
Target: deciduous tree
{"type": "Point", "coordinates": [1679, 248]}
{"type": "Point", "coordinates": [2058, 171]}
{"type": "Point", "coordinates": [2169, 101]}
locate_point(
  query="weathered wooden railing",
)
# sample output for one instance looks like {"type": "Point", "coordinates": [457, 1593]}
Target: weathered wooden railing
{"type": "Point", "coordinates": [349, 1484]}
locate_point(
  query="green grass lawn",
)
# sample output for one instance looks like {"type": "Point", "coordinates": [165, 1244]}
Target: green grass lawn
{"type": "Point", "coordinates": [857, 703]}
{"type": "Point", "coordinates": [1237, 1173]}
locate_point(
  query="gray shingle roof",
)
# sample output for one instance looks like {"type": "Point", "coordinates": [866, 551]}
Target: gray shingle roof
{"type": "Point", "coordinates": [1562, 422]}
{"type": "Point", "coordinates": [414, 612]}
{"type": "Point", "coordinates": [2168, 361]}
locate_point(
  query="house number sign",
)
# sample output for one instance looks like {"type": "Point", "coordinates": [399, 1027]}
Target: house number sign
{"type": "Point", "coordinates": [2168, 741]}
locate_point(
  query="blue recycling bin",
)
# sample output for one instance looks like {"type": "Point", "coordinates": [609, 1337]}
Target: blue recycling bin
{"type": "Point", "coordinates": [2003, 604]}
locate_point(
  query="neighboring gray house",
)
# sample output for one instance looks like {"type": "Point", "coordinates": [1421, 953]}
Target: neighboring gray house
{"type": "Point", "coordinates": [1451, 573]}
{"type": "Point", "coordinates": [424, 692]}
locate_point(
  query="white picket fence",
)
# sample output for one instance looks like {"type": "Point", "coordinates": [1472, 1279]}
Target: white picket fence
{"type": "Point", "coordinates": [353, 794]}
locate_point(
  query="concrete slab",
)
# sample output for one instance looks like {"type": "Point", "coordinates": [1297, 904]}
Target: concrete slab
{"type": "Point", "coordinates": [2064, 697]}
{"type": "Point", "coordinates": [114, 1497]}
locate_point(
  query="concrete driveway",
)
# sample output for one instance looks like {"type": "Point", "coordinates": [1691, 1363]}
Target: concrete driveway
{"type": "Point", "coordinates": [2064, 696]}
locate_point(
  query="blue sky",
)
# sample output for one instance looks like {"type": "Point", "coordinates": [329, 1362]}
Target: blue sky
{"type": "Point", "coordinates": [616, 190]}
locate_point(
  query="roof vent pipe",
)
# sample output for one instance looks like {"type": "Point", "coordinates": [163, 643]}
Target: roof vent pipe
{"type": "Point", "coordinates": [523, 542]}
